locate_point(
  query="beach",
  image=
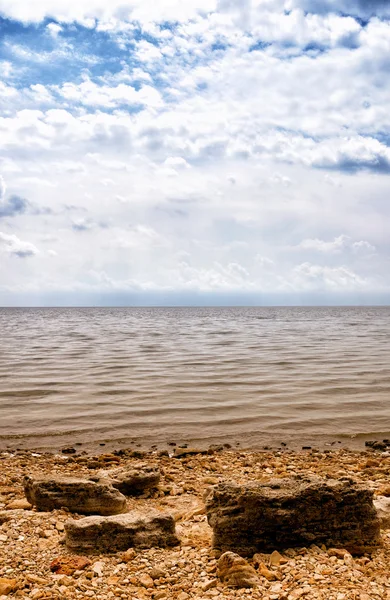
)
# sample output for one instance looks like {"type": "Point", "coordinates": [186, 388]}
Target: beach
{"type": "Point", "coordinates": [30, 541]}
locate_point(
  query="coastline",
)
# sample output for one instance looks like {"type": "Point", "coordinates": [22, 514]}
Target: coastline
{"type": "Point", "coordinates": [252, 441]}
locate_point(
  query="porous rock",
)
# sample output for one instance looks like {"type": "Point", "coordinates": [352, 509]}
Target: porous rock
{"type": "Point", "coordinates": [283, 513]}
{"type": "Point", "coordinates": [234, 571]}
{"type": "Point", "coordinates": [382, 505]}
{"type": "Point", "coordinates": [133, 481]}
{"type": "Point", "coordinates": [118, 533]}
{"type": "Point", "coordinates": [77, 495]}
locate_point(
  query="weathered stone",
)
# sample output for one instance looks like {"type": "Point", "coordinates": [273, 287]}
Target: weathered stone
{"type": "Point", "coordinates": [382, 505]}
{"type": "Point", "coordinates": [118, 533]}
{"type": "Point", "coordinates": [67, 565]}
{"type": "Point", "coordinates": [7, 586]}
{"type": "Point", "coordinates": [284, 513]}
{"type": "Point", "coordinates": [133, 481]}
{"type": "Point", "coordinates": [77, 495]}
{"type": "Point", "coordinates": [234, 571]}
{"type": "Point", "coordinates": [20, 504]}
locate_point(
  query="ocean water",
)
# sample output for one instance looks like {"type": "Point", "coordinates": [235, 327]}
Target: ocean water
{"type": "Point", "coordinates": [152, 375]}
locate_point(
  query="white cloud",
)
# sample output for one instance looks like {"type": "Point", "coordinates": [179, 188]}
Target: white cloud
{"type": "Point", "coordinates": [13, 246]}
{"type": "Point", "coordinates": [198, 161]}
{"type": "Point", "coordinates": [339, 244]}
{"type": "Point", "coordinates": [314, 277]}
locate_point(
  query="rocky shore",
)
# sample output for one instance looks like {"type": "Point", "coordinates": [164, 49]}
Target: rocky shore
{"type": "Point", "coordinates": [37, 562]}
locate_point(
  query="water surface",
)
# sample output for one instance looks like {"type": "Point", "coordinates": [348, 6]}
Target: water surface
{"type": "Point", "coordinates": [157, 374]}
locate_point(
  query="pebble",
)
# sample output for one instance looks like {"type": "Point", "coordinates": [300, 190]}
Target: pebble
{"type": "Point", "coordinates": [189, 570]}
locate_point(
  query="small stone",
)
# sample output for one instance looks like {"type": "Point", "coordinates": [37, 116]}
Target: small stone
{"type": "Point", "coordinates": [67, 565]}
{"type": "Point", "coordinates": [209, 585]}
{"type": "Point", "coordinates": [234, 571]}
{"type": "Point", "coordinates": [269, 575]}
{"type": "Point", "coordinates": [382, 505]}
{"type": "Point", "coordinates": [98, 567]}
{"type": "Point", "coordinates": [275, 558]}
{"type": "Point", "coordinates": [183, 596]}
{"type": "Point", "coordinates": [129, 555]}
{"type": "Point", "coordinates": [21, 504]}
{"type": "Point", "coordinates": [7, 586]}
{"type": "Point", "coordinates": [183, 452]}
{"type": "Point", "coordinates": [157, 573]}
{"type": "Point", "coordinates": [69, 450]}
{"type": "Point", "coordinates": [337, 552]}
{"type": "Point", "coordinates": [146, 581]}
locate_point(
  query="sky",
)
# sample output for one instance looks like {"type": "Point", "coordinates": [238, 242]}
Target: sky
{"type": "Point", "coordinates": [197, 152]}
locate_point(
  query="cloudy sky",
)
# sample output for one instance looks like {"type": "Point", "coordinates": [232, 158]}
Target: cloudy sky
{"type": "Point", "coordinates": [206, 151]}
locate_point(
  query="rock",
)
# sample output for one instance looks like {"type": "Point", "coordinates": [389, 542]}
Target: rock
{"type": "Point", "coordinates": [77, 495]}
{"type": "Point", "coordinates": [134, 481]}
{"type": "Point", "coordinates": [67, 565]}
{"type": "Point", "coordinates": [275, 558]}
{"type": "Point", "coordinates": [4, 518]}
{"type": "Point", "coordinates": [209, 585]}
{"type": "Point", "coordinates": [20, 504]}
{"type": "Point", "coordinates": [382, 505]}
{"type": "Point", "coordinates": [118, 533]}
{"type": "Point", "coordinates": [69, 450]}
{"type": "Point", "coordinates": [7, 586]}
{"type": "Point", "coordinates": [98, 568]}
{"type": "Point", "coordinates": [129, 555]}
{"type": "Point", "coordinates": [183, 452]}
{"type": "Point", "coordinates": [285, 513]}
{"type": "Point", "coordinates": [269, 575]}
{"type": "Point", "coordinates": [146, 581]}
{"type": "Point", "coordinates": [157, 573]}
{"type": "Point", "coordinates": [234, 571]}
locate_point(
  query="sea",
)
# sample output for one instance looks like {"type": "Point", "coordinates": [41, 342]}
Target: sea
{"type": "Point", "coordinates": [248, 377]}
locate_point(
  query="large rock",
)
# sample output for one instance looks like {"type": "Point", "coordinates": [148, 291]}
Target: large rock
{"type": "Point", "coordinates": [118, 533]}
{"type": "Point", "coordinates": [382, 505]}
{"type": "Point", "coordinates": [133, 481]}
{"type": "Point", "coordinates": [283, 513]}
{"type": "Point", "coordinates": [77, 495]}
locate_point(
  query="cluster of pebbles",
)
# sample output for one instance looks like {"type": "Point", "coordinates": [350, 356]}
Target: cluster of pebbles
{"type": "Point", "coordinates": [35, 562]}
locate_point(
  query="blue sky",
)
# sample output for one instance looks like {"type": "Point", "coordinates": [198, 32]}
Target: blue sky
{"type": "Point", "coordinates": [198, 152]}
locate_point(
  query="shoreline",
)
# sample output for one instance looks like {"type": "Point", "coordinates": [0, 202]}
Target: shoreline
{"type": "Point", "coordinates": [251, 442]}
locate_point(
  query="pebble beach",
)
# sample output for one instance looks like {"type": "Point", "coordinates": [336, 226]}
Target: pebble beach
{"type": "Point", "coordinates": [31, 541]}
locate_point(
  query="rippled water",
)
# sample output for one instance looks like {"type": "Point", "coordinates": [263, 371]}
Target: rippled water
{"type": "Point", "coordinates": [156, 374]}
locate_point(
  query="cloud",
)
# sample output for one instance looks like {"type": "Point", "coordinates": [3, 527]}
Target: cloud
{"type": "Point", "coordinates": [86, 11]}
{"type": "Point", "coordinates": [15, 205]}
{"type": "Point", "coordinates": [364, 8]}
{"type": "Point", "coordinates": [339, 244]}
{"type": "Point", "coordinates": [312, 276]}
{"type": "Point", "coordinates": [13, 246]}
{"type": "Point", "coordinates": [194, 146]}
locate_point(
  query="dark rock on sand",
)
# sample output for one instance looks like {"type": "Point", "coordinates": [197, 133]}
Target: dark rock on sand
{"type": "Point", "coordinates": [183, 452]}
{"type": "Point", "coordinates": [285, 513]}
{"type": "Point", "coordinates": [77, 495]}
{"type": "Point", "coordinates": [118, 533]}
